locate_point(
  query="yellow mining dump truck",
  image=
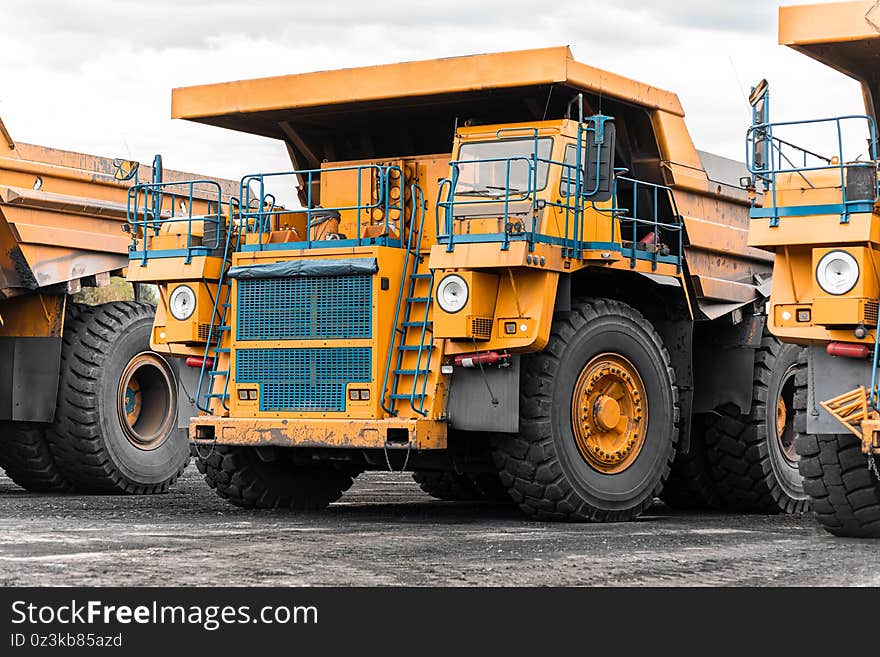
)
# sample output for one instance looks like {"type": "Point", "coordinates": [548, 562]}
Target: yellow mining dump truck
{"type": "Point", "coordinates": [84, 403]}
{"type": "Point", "coordinates": [511, 274]}
{"type": "Point", "coordinates": [820, 215]}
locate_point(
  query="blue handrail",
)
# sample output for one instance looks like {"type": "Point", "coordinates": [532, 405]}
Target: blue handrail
{"type": "Point", "coordinates": [632, 215]}
{"type": "Point", "coordinates": [578, 190]}
{"type": "Point", "coordinates": [258, 206]}
{"type": "Point", "coordinates": [781, 157]}
{"type": "Point", "coordinates": [145, 211]}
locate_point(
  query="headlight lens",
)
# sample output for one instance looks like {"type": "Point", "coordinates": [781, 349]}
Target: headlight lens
{"type": "Point", "coordinates": [182, 303]}
{"type": "Point", "coordinates": [838, 272]}
{"type": "Point", "coordinates": [452, 293]}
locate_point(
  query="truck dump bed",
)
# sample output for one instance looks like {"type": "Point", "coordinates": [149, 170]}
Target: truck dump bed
{"type": "Point", "coordinates": [412, 108]}
{"type": "Point", "coordinates": [842, 35]}
{"type": "Point", "coordinates": [61, 216]}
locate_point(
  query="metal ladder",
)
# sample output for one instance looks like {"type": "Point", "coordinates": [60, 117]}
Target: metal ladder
{"type": "Point", "coordinates": [413, 338]}
{"type": "Point", "coordinates": [219, 323]}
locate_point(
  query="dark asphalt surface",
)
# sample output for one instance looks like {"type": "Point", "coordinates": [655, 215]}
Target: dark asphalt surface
{"type": "Point", "coordinates": [385, 531]}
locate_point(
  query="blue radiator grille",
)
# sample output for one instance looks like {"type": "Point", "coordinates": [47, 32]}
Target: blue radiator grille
{"type": "Point", "coordinates": [303, 379]}
{"type": "Point", "coordinates": [305, 308]}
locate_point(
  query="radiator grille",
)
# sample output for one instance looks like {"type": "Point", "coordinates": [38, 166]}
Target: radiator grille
{"type": "Point", "coordinates": [305, 308]}
{"type": "Point", "coordinates": [303, 379]}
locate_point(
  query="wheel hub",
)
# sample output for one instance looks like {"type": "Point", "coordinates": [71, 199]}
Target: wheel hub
{"type": "Point", "coordinates": [145, 401]}
{"type": "Point", "coordinates": [606, 413]}
{"type": "Point", "coordinates": [133, 402]}
{"type": "Point", "coordinates": [609, 413]}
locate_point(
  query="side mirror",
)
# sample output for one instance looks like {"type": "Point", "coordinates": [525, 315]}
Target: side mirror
{"type": "Point", "coordinates": [125, 169]}
{"type": "Point", "coordinates": [600, 141]}
{"type": "Point", "coordinates": [760, 117]}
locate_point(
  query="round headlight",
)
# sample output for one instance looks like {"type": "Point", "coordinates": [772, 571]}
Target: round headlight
{"type": "Point", "coordinates": [182, 303]}
{"type": "Point", "coordinates": [838, 272]}
{"type": "Point", "coordinates": [452, 293]}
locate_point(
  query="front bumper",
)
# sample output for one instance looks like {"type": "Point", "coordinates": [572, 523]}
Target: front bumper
{"type": "Point", "coordinates": [319, 433]}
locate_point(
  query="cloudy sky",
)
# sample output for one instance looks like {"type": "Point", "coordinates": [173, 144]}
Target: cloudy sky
{"type": "Point", "coordinates": [96, 75]}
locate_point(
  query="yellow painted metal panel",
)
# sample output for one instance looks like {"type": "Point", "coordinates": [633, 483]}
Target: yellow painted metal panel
{"type": "Point", "coordinates": [829, 22]}
{"type": "Point", "coordinates": [413, 79]}
{"type": "Point", "coordinates": [842, 35]}
{"type": "Point", "coordinates": [298, 432]}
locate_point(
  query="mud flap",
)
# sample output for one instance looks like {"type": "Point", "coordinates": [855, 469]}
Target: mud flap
{"type": "Point", "coordinates": [485, 399]}
{"type": "Point", "coordinates": [29, 372]}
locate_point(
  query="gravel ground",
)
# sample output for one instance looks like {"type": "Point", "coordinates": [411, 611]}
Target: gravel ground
{"type": "Point", "coordinates": [385, 531]}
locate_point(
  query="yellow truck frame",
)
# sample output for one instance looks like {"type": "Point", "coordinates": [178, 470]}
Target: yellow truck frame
{"type": "Point", "coordinates": [819, 214]}
{"type": "Point", "coordinates": [512, 274]}
{"type": "Point", "coordinates": [84, 404]}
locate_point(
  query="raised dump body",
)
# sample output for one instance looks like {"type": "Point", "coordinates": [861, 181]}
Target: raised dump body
{"type": "Point", "coordinates": [820, 216]}
{"type": "Point", "coordinates": [492, 252]}
{"type": "Point", "coordinates": [62, 221]}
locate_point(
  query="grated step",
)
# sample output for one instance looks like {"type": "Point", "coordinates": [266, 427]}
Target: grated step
{"type": "Point", "coordinates": [412, 372]}
{"type": "Point", "coordinates": [418, 299]}
{"type": "Point", "coordinates": [418, 324]}
{"type": "Point", "coordinates": [219, 373]}
{"type": "Point", "coordinates": [415, 395]}
{"type": "Point", "coordinates": [422, 277]}
{"type": "Point", "coordinates": [406, 347]}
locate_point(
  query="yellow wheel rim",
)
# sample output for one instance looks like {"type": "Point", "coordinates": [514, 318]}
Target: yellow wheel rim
{"type": "Point", "coordinates": [609, 413]}
{"type": "Point", "coordinates": [781, 416]}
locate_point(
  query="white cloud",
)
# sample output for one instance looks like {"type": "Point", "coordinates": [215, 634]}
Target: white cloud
{"type": "Point", "coordinates": [96, 75]}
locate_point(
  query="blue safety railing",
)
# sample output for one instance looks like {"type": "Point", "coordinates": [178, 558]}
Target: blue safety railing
{"type": "Point", "coordinates": [578, 192]}
{"type": "Point", "coordinates": [637, 216]}
{"type": "Point", "coordinates": [156, 204]}
{"type": "Point", "coordinates": [259, 211]}
{"type": "Point", "coordinates": [768, 157]}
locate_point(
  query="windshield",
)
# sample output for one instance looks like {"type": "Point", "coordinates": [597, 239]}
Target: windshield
{"type": "Point", "coordinates": [490, 178]}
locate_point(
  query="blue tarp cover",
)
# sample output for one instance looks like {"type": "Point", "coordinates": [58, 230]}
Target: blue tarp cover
{"type": "Point", "coordinates": [290, 268]}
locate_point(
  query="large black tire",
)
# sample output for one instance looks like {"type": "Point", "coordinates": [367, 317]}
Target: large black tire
{"type": "Point", "coordinates": [690, 485]}
{"type": "Point", "coordinates": [242, 477]}
{"type": "Point", "coordinates": [90, 442]}
{"type": "Point", "coordinates": [542, 467]}
{"type": "Point", "coordinates": [468, 487]}
{"type": "Point", "coordinates": [844, 493]}
{"type": "Point", "coordinates": [753, 465]}
{"type": "Point", "coordinates": [26, 459]}
{"type": "Point", "coordinates": [447, 486]}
